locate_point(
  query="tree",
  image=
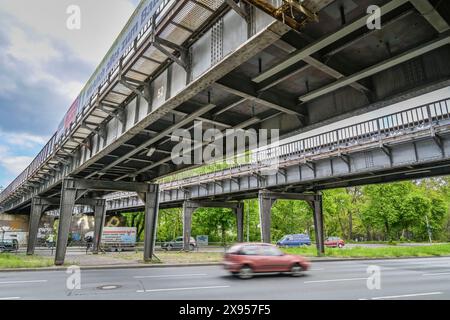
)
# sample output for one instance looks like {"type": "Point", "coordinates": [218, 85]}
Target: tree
{"type": "Point", "coordinates": [383, 206]}
{"type": "Point", "coordinates": [218, 223]}
{"type": "Point", "coordinates": [291, 217]}
{"type": "Point", "coordinates": [337, 206]}
{"type": "Point", "coordinates": [170, 224]}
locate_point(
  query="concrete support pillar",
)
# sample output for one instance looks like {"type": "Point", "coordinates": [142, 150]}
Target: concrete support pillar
{"type": "Point", "coordinates": [151, 220]}
{"type": "Point", "coordinates": [37, 209]}
{"type": "Point", "coordinates": [266, 203]}
{"type": "Point", "coordinates": [240, 222]}
{"type": "Point", "coordinates": [68, 198]}
{"type": "Point", "coordinates": [99, 223]}
{"type": "Point", "coordinates": [188, 211]}
{"type": "Point", "coordinates": [317, 206]}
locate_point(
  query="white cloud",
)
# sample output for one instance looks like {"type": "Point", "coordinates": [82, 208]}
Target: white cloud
{"type": "Point", "coordinates": [13, 150]}
{"type": "Point", "coordinates": [101, 22]}
{"type": "Point", "coordinates": [15, 164]}
{"type": "Point", "coordinates": [22, 140]}
{"type": "Point", "coordinates": [31, 50]}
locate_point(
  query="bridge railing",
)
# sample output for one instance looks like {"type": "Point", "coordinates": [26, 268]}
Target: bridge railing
{"type": "Point", "coordinates": [59, 137]}
{"type": "Point", "coordinates": [416, 118]}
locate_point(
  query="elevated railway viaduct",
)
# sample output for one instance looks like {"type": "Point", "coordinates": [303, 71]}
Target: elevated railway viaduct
{"type": "Point", "coordinates": [232, 66]}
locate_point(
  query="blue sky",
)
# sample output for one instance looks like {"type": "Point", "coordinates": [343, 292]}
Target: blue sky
{"type": "Point", "coordinates": [43, 67]}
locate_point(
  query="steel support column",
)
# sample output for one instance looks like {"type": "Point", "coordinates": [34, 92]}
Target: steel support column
{"type": "Point", "coordinates": [266, 203]}
{"type": "Point", "coordinates": [151, 200]}
{"type": "Point", "coordinates": [68, 199]}
{"type": "Point", "coordinates": [37, 209]}
{"type": "Point", "coordinates": [188, 211]}
{"type": "Point", "coordinates": [317, 206]}
{"type": "Point", "coordinates": [99, 223]}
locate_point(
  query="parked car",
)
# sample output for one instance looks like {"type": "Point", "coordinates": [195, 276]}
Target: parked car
{"type": "Point", "coordinates": [10, 245]}
{"type": "Point", "coordinates": [334, 242]}
{"type": "Point", "coordinates": [177, 244]}
{"type": "Point", "coordinates": [246, 260]}
{"type": "Point", "coordinates": [294, 240]}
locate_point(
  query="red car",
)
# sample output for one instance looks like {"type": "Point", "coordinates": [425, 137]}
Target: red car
{"type": "Point", "coordinates": [245, 260]}
{"type": "Point", "coordinates": [334, 242]}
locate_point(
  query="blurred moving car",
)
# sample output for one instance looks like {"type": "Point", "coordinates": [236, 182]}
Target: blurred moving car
{"type": "Point", "coordinates": [246, 260]}
{"type": "Point", "coordinates": [294, 240]}
{"type": "Point", "coordinates": [177, 244]}
{"type": "Point", "coordinates": [334, 242]}
{"type": "Point", "coordinates": [9, 245]}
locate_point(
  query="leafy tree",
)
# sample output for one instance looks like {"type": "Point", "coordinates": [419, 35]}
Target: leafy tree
{"type": "Point", "coordinates": [291, 217]}
{"type": "Point", "coordinates": [383, 206]}
{"type": "Point", "coordinates": [218, 223]}
{"type": "Point", "coordinates": [337, 206]}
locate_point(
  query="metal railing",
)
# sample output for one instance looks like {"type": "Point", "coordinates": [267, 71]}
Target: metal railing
{"type": "Point", "coordinates": [394, 124]}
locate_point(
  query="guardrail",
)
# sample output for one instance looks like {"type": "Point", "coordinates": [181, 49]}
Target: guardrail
{"type": "Point", "coordinates": [394, 124]}
{"type": "Point", "coordinates": [58, 138]}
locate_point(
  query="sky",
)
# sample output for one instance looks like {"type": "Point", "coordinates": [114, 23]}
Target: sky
{"type": "Point", "coordinates": [43, 67]}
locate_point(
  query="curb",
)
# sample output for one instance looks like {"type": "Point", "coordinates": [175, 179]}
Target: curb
{"type": "Point", "coordinates": [371, 259]}
{"type": "Point", "coordinates": [115, 267]}
{"type": "Point", "coordinates": [155, 266]}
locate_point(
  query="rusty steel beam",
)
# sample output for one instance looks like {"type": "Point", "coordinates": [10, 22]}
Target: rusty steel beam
{"type": "Point", "coordinates": [291, 12]}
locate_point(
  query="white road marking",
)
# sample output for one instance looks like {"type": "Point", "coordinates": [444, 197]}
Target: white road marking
{"type": "Point", "coordinates": [21, 282]}
{"type": "Point", "coordinates": [336, 280]}
{"type": "Point", "coordinates": [436, 274]}
{"type": "Point", "coordinates": [183, 289]}
{"type": "Point", "coordinates": [172, 276]}
{"type": "Point", "coordinates": [11, 298]}
{"type": "Point", "coordinates": [407, 296]}
{"type": "Point", "coordinates": [317, 269]}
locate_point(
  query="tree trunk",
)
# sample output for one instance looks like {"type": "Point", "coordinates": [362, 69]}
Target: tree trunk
{"type": "Point", "coordinates": [223, 235]}
{"type": "Point", "coordinates": [350, 226]}
{"type": "Point", "coordinates": [388, 235]}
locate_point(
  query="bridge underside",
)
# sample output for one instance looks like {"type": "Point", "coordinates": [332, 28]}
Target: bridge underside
{"type": "Point", "coordinates": [278, 79]}
{"type": "Point", "coordinates": [240, 69]}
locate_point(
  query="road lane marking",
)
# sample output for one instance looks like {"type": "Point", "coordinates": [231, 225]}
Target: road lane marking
{"type": "Point", "coordinates": [182, 289]}
{"type": "Point", "coordinates": [436, 274]}
{"type": "Point", "coordinates": [172, 276]}
{"type": "Point", "coordinates": [21, 282]}
{"type": "Point", "coordinates": [11, 298]}
{"type": "Point", "coordinates": [407, 296]}
{"type": "Point", "coordinates": [336, 280]}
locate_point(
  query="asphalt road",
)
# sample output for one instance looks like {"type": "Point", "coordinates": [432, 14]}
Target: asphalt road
{"type": "Point", "coordinates": [399, 279]}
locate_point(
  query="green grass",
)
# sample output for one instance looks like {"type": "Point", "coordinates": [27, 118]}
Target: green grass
{"type": "Point", "coordinates": [174, 257]}
{"type": "Point", "coordinates": [18, 261]}
{"type": "Point", "coordinates": [384, 252]}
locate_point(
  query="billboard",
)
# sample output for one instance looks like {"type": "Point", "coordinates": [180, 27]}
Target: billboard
{"type": "Point", "coordinates": [142, 15]}
{"type": "Point", "coordinates": [119, 236]}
